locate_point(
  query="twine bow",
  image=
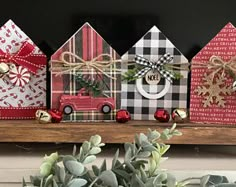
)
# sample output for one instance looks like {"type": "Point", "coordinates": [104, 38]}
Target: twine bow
{"type": "Point", "coordinates": [25, 57]}
{"type": "Point", "coordinates": [95, 63]}
{"type": "Point", "coordinates": [162, 66]}
{"type": "Point", "coordinates": [216, 65]}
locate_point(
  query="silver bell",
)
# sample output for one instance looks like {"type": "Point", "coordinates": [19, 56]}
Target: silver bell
{"type": "Point", "coordinates": [4, 68]}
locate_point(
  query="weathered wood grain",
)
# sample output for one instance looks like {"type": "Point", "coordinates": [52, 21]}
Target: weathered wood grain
{"type": "Point", "coordinates": [31, 131]}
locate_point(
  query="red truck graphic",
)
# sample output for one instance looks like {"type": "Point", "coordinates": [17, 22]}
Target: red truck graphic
{"type": "Point", "coordinates": [83, 101]}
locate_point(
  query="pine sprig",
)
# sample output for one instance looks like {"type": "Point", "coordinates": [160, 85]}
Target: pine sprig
{"type": "Point", "coordinates": [89, 85]}
{"type": "Point", "coordinates": [130, 75]}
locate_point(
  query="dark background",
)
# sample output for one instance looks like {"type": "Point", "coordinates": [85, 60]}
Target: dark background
{"type": "Point", "coordinates": [189, 24]}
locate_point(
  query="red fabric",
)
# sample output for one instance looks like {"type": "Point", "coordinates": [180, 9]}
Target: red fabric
{"type": "Point", "coordinates": [224, 46]}
{"type": "Point", "coordinates": [25, 58]}
{"type": "Point", "coordinates": [19, 112]}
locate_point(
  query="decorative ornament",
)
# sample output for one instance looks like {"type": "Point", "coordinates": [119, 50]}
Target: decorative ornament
{"type": "Point", "coordinates": [162, 115]}
{"type": "Point", "coordinates": [213, 90]}
{"type": "Point", "coordinates": [4, 69]}
{"type": "Point", "coordinates": [43, 116]}
{"type": "Point", "coordinates": [180, 115]}
{"type": "Point", "coordinates": [155, 66]}
{"type": "Point", "coordinates": [123, 116]}
{"type": "Point", "coordinates": [234, 85]}
{"type": "Point", "coordinates": [25, 57]}
{"type": "Point", "coordinates": [19, 76]}
{"type": "Point", "coordinates": [56, 115]}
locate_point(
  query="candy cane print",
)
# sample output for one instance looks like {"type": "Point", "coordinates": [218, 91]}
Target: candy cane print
{"type": "Point", "coordinates": [40, 103]}
{"type": "Point", "coordinates": [42, 88]}
{"type": "Point", "coordinates": [7, 104]}
{"type": "Point", "coordinates": [4, 97]}
{"type": "Point", "coordinates": [8, 48]}
{"type": "Point", "coordinates": [15, 43]}
{"type": "Point", "coordinates": [2, 89]}
{"type": "Point", "coordinates": [20, 103]}
{"type": "Point", "coordinates": [6, 81]}
{"type": "Point", "coordinates": [13, 95]}
{"type": "Point", "coordinates": [2, 40]}
{"type": "Point", "coordinates": [8, 32]}
{"type": "Point", "coordinates": [22, 89]}
{"type": "Point", "coordinates": [38, 82]}
{"type": "Point", "coordinates": [30, 98]}
{"type": "Point", "coordinates": [32, 89]}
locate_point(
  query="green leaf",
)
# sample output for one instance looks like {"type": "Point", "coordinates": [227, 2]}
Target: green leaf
{"type": "Point", "coordinates": [48, 180]}
{"type": "Point", "coordinates": [45, 169]}
{"type": "Point", "coordinates": [54, 183]}
{"type": "Point", "coordinates": [160, 178]}
{"type": "Point", "coordinates": [103, 166]}
{"type": "Point", "coordinates": [143, 138]}
{"type": "Point", "coordinates": [95, 170]}
{"type": "Point", "coordinates": [86, 146]}
{"type": "Point", "coordinates": [95, 150]}
{"type": "Point", "coordinates": [109, 178]}
{"type": "Point", "coordinates": [144, 154]}
{"type": "Point", "coordinates": [153, 135]}
{"type": "Point", "coordinates": [164, 149]}
{"type": "Point", "coordinates": [171, 180]}
{"type": "Point", "coordinates": [122, 173]}
{"type": "Point", "coordinates": [60, 172]}
{"type": "Point", "coordinates": [140, 182]}
{"type": "Point", "coordinates": [128, 155]}
{"type": "Point", "coordinates": [114, 160]}
{"type": "Point", "coordinates": [74, 167]}
{"type": "Point", "coordinates": [23, 183]}
{"type": "Point", "coordinates": [95, 140]}
{"type": "Point", "coordinates": [89, 159]}
{"type": "Point", "coordinates": [177, 133]}
{"type": "Point", "coordinates": [77, 182]}
{"type": "Point", "coordinates": [74, 150]}
{"type": "Point", "coordinates": [52, 158]}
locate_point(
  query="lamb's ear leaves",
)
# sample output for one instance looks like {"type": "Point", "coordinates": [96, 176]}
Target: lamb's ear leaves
{"type": "Point", "coordinates": [23, 183]}
{"type": "Point", "coordinates": [114, 160]}
{"type": "Point", "coordinates": [74, 167]}
{"type": "Point", "coordinates": [89, 159]}
{"type": "Point", "coordinates": [77, 182]}
{"type": "Point", "coordinates": [109, 178]}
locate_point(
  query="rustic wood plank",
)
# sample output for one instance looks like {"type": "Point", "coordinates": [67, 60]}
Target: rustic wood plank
{"type": "Point", "coordinates": [31, 131]}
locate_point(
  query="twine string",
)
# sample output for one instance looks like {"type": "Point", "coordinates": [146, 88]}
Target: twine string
{"type": "Point", "coordinates": [65, 66]}
{"type": "Point", "coordinates": [216, 64]}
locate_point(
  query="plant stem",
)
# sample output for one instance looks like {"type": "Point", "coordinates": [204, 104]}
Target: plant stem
{"type": "Point", "coordinates": [95, 180]}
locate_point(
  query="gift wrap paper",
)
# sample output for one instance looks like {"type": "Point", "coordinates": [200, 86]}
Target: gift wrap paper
{"type": "Point", "coordinates": [20, 102]}
{"type": "Point", "coordinates": [222, 45]}
{"type": "Point", "coordinates": [87, 44]}
{"type": "Point", "coordinates": [152, 46]}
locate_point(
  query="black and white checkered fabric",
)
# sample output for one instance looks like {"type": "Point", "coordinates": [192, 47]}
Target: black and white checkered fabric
{"type": "Point", "coordinates": [154, 47]}
{"type": "Point", "coordinates": [154, 66]}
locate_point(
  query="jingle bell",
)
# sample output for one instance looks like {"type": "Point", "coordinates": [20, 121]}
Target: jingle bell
{"type": "Point", "coordinates": [43, 116]}
{"type": "Point", "coordinates": [56, 115]}
{"type": "Point", "coordinates": [162, 115]}
{"type": "Point", "coordinates": [180, 115]}
{"type": "Point", "coordinates": [123, 116]}
{"type": "Point", "coordinates": [4, 68]}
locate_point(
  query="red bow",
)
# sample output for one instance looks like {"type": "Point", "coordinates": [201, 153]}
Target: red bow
{"type": "Point", "coordinates": [25, 57]}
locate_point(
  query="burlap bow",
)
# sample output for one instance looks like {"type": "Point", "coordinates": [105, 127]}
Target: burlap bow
{"type": "Point", "coordinates": [63, 66]}
{"type": "Point", "coordinates": [216, 65]}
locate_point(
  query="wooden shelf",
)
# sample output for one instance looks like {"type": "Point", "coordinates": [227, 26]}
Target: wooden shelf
{"type": "Point", "coordinates": [31, 131]}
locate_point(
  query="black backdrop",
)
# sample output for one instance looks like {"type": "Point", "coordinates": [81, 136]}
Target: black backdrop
{"type": "Point", "coordinates": [189, 24]}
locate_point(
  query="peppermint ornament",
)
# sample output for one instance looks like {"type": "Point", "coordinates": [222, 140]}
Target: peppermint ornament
{"type": "Point", "coordinates": [19, 76]}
